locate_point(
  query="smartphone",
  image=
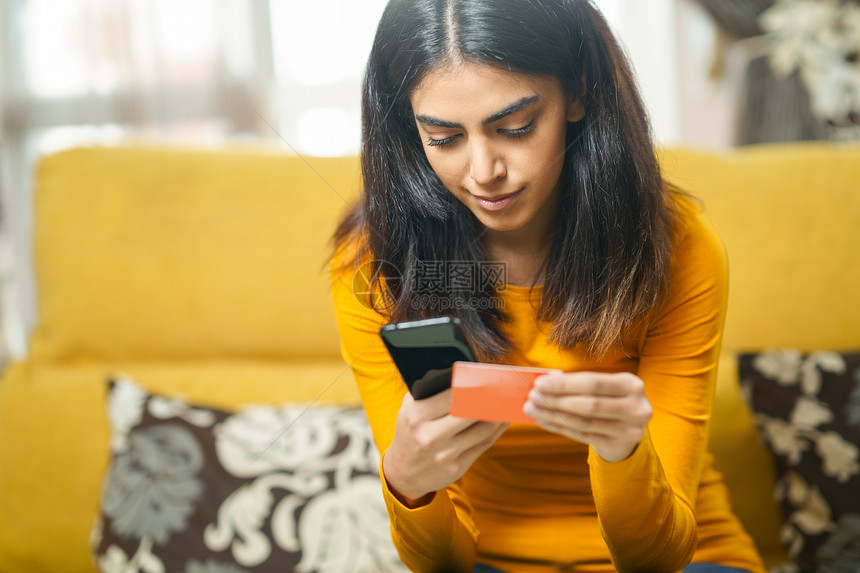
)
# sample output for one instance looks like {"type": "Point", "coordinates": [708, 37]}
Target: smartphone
{"type": "Point", "coordinates": [419, 346]}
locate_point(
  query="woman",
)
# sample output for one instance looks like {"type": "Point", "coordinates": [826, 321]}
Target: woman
{"type": "Point", "coordinates": [511, 132]}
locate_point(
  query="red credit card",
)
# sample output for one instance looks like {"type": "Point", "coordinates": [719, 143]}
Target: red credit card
{"type": "Point", "coordinates": [492, 392]}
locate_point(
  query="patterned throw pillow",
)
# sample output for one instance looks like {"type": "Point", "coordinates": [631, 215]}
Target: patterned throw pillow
{"type": "Point", "coordinates": [807, 408]}
{"type": "Point", "coordinates": [198, 490]}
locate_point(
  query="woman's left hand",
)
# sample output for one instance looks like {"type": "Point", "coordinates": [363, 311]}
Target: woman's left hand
{"type": "Point", "coordinates": [608, 411]}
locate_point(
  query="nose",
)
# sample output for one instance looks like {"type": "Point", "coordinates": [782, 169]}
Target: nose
{"type": "Point", "coordinates": [486, 165]}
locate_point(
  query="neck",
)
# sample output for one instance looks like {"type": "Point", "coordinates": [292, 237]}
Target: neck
{"type": "Point", "coordinates": [512, 245]}
{"type": "Point", "coordinates": [524, 249]}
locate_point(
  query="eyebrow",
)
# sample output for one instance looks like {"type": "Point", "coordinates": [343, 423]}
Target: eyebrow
{"type": "Point", "coordinates": [518, 105]}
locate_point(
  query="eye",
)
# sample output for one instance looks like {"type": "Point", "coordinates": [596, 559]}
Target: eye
{"type": "Point", "coordinates": [441, 142]}
{"type": "Point", "coordinates": [519, 132]}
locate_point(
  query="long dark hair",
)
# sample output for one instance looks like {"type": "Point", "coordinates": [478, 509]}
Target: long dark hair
{"type": "Point", "coordinates": [609, 259]}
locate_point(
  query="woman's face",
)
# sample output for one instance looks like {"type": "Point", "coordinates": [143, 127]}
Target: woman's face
{"type": "Point", "coordinates": [496, 139]}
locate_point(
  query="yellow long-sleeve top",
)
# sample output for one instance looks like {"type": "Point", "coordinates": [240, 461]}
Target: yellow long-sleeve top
{"type": "Point", "coordinates": [539, 502]}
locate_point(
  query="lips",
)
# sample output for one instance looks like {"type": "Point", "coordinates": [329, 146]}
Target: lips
{"type": "Point", "coordinates": [497, 203]}
{"type": "Point", "coordinates": [499, 198]}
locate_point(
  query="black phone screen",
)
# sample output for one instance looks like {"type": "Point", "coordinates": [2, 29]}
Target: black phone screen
{"type": "Point", "coordinates": [419, 348]}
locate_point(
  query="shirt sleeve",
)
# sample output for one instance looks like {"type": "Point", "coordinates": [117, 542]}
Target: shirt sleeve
{"type": "Point", "coordinates": [439, 536]}
{"type": "Point", "coordinates": [646, 503]}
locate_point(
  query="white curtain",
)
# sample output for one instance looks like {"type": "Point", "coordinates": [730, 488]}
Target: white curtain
{"type": "Point", "coordinates": [204, 72]}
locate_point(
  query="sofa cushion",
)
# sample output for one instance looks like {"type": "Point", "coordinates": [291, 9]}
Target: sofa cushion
{"type": "Point", "coordinates": [54, 440]}
{"type": "Point", "coordinates": [267, 488]}
{"type": "Point", "coordinates": [807, 408]}
{"type": "Point", "coordinates": [161, 253]}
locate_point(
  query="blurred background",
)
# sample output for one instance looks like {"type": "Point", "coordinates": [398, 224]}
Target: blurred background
{"type": "Point", "coordinates": [286, 73]}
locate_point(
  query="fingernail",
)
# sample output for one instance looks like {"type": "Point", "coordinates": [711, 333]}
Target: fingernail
{"type": "Point", "coordinates": [542, 383]}
{"type": "Point", "coordinates": [530, 409]}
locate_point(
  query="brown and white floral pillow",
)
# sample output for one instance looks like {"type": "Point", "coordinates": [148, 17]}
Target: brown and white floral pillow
{"type": "Point", "coordinates": [192, 489]}
{"type": "Point", "coordinates": [807, 408]}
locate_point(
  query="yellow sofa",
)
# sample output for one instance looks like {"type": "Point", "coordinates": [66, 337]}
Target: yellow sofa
{"type": "Point", "coordinates": [200, 273]}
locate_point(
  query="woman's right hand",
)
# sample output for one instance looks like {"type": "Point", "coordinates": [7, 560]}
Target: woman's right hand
{"type": "Point", "coordinates": [432, 449]}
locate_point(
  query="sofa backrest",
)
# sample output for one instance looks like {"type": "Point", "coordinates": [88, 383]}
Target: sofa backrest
{"type": "Point", "coordinates": [790, 217]}
{"type": "Point", "coordinates": [160, 253]}
{"type": "Point", "coordinates": [152, 253]}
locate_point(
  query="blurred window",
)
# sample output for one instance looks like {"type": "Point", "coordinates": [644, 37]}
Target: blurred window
{"type": "Point", "coordinates": [84, 72]}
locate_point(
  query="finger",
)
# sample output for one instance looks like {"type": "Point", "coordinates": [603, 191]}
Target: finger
{"type": "Point", "coordinates": [478, 431]}
{"type": "Point", "coordinates": [616, 384]}
{"type": "Point", "coordinates": [480, 439]}
{"type": "Point", "coordinates": [432, 408]}
{"type": "Point", "coordinates": [561, 427]}
{"type": "Point", "coordinates": [499, 431]}
{"type": "Point", "coordinates": [451, 426]}
{"type": "Point", "coordinates": [581, 425]}
{"type": "Point", "coordinates": [633, 410]}
{"type": "Point", "coordinates": [591, 406]}
{"type": "Point", "coordinates": [435, 411]}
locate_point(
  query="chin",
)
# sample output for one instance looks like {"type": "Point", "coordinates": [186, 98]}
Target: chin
{"type": "Point", "coordinates": [506, 224]}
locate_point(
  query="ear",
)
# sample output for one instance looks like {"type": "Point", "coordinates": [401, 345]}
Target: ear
{"type": "Point", "coordinates": [575, 110]}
